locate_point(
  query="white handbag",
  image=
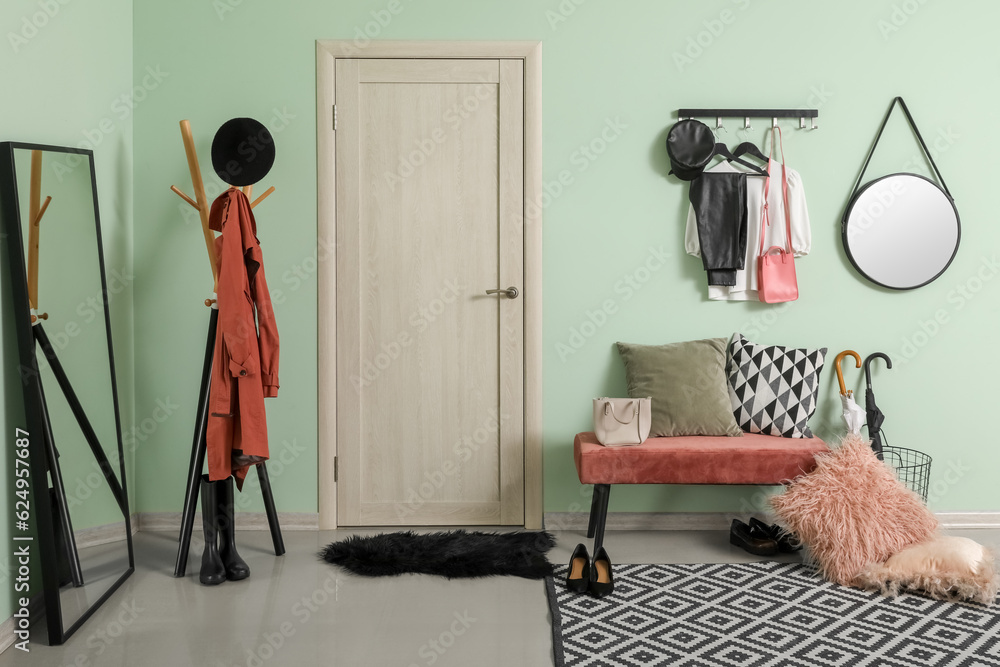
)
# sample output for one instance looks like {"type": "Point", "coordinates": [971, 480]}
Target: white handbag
{"type": "Point", "coordinates": [622, 421]}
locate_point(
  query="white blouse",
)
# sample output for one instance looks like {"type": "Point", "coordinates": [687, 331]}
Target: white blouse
{"type": "Point", "coordinates": [745, 288]}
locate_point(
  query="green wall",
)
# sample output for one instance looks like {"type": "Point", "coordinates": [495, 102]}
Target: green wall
{"type": "Point", "coordinates": [620, 70]}
{"type": "Point", "coordinates": [64, 69]}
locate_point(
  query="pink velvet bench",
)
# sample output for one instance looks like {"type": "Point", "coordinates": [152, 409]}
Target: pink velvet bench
{"type": "Point", "coordinates": [752, 459]}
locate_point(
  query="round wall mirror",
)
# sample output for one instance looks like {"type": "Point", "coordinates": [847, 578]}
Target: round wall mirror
{"type": "Point", "coordinates": [901, 231]}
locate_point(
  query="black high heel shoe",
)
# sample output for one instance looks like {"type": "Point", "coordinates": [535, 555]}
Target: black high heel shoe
{"type": "Point", "coordinates": [742, 536]}
{"type": "Point", "coordinates": [787, 542]}
{"type": "Point", "coordinates": [602, 579]}
{"type": "Point", "coordinates": [578, 578]}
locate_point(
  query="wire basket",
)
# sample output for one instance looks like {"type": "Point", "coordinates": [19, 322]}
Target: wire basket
{"type": "Point", "coordinates": [912, 468]}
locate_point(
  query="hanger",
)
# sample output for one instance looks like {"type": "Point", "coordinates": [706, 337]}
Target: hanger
{"type": "Point", "coordinates": [723, 150]}
{"type": "Point", "coordinates": [750, 148]}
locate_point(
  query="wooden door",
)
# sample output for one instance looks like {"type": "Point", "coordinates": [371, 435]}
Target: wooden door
{"type": "Point", "coordinates": [430, 369]}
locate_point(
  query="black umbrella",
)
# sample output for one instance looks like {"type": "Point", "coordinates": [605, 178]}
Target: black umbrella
{"type": "Point", "coordinates": [875, 417]}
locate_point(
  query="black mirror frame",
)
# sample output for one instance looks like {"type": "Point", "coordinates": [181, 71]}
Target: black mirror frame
{"type": "Point", "coordinates": [847, 247]}
{"type": "Point", "coordinates": [28, 370]}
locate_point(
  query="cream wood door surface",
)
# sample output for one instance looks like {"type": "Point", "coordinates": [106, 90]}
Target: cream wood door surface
{"type": "Point", "coordinates": [430, 369]}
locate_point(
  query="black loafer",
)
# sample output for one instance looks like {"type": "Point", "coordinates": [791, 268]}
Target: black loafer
{"type": "Point", "coordinates": [602, 579]}
{"type": "Point", "coordinates": [578, 578]}
{"type": "Point", "coordinates": [787, 542]}
{"type": "Point", "coordinates": [740, 535]}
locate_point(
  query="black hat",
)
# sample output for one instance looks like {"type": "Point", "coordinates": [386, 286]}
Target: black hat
{"type": "Point", "coordinates": [691, 145]}
{"type": "Point", "coordinates": [242, 152]}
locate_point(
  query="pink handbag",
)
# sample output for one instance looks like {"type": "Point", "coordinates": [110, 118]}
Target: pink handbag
{"type": "Point", "coordinates": [776, 282]}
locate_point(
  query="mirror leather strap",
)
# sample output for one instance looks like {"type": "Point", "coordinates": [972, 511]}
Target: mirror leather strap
{"type": "Point", "coordinates": [920, 138]}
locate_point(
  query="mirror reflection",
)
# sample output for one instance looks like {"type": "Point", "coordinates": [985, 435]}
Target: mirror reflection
{"type": "Point", "coordinates": [901, 231]}
{"type": "Point", "coordinates": [63, 256]}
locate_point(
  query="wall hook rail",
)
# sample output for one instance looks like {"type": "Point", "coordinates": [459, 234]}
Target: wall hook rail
{"type": "Point", "coordinates": [747, 114]}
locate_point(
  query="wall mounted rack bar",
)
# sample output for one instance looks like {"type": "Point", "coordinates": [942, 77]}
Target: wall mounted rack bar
{"type": "Point", "coordinates": [748, 113]}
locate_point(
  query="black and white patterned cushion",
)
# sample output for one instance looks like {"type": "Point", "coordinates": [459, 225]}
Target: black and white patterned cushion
{"type": "Point", "coordinates": [773, 389]}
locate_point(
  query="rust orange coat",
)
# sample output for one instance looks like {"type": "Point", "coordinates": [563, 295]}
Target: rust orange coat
{"type": "Point", "coordinates": [245, 366]}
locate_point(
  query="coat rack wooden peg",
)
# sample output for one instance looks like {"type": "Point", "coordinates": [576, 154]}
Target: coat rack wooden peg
{"type": "Point", "coordinates": [201, 204]}
{"type": "Point", "coordinates": [36, 209]}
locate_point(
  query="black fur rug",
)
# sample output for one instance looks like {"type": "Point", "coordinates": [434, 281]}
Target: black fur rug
{"type": "Point", "coordinates": [453, 554]}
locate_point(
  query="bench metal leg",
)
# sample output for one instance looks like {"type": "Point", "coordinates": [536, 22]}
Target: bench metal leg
{"type": "Point", "coordinates": [602, 493]}
{"type": "Point", "coordinates": [594, 510]}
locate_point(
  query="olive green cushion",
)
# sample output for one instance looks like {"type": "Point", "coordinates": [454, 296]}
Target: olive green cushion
{"type": "Point", "coordinates": [687, 382]}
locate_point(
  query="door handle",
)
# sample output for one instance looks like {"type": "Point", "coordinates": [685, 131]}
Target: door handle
{"type": "Point", "coordinates": [510, 292]}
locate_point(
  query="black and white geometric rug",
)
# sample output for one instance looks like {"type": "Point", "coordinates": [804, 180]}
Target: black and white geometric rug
{"type": "Point", "coordinates": [761, 615]}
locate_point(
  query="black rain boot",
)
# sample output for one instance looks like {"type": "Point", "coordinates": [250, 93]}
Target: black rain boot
{"type": "Point", "coordinates": [236, 567]}
{"type": "Point", "coordinates": [212, 570]}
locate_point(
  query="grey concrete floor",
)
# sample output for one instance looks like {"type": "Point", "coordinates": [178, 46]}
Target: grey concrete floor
{"type": "Point", "coordinates": [298, 610]}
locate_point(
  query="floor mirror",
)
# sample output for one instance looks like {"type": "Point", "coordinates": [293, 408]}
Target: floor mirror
{"type": "Point", "coordinates": [78, 516]}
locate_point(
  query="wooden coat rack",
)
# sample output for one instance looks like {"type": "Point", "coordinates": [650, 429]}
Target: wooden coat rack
{"type": "Point", "coordinates": [36, 209]}
{"type": "Point", "coordinates": [199, 445]}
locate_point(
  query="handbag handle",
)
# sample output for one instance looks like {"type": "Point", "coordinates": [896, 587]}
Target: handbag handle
{"type": "Point", "coordinates": [920, 138]}
{"type": "Point", "coordinates": [765, 221]}
{"type": "Point", "coordinates": [610, 409]}
{"type": "Point", "coordinates": [780, 253]}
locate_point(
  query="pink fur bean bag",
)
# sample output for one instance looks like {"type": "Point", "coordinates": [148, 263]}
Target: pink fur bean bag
{"type": "Point", "coordinates": [851, 512]}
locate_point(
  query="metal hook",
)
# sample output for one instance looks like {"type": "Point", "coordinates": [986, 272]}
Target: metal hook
{"type": "Point", "coordinates": [719, 125]}
{"type": "Point", "coordinates": [814, 125]}
{"type": "Point", "coordinates": [746, 123]}
{"type": "Point", "coordinates": [774, 123]}
{"type": "Point", "coordinates": [802, 122]}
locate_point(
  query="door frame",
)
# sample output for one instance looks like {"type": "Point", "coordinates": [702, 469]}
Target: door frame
{"type": "Point", "coordinates": [327, 53]}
